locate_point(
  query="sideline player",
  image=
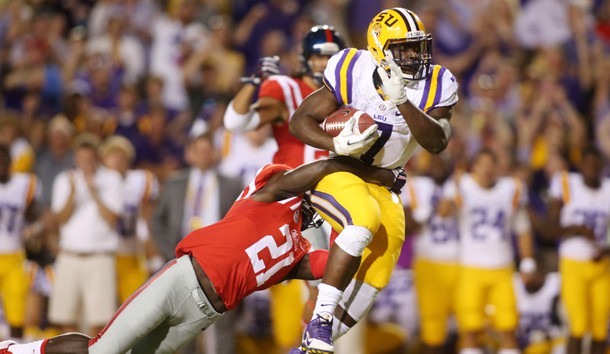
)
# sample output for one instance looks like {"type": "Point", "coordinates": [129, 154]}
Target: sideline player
{"type": "Point", "coordinates": [579, 213]}
{"type": "Point", "coordinates": [489, 208]}
{"type": "Point", "coordinates": [436, 264]}
{"type": "Point", "coordinates": [277, 100]}
{"type": "Point", "coordinates": [18, 193]}
{"type": "Point", "coordinates": [411, 101]}
{"type": "Point", "coordinates": [256, 245]}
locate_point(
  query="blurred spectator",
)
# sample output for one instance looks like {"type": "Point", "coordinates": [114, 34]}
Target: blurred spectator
{"type": "Point", "coordinates": [191, 199]}
{"type": "Point", "coordinates": [140, 190]}
{"type": "Point", "coordinates": [89, 197]}
{"type": "Point", "coordinates": [244, 153]}
{"type": "Point", "coordinates": [126, 52]}
{"type": "Point", "coordinates": [31, 69]}
{"type": "Point", "coordinates": [176, 35]}
{"type": "Point", "coordinates": [22, 154]}
{"type": "Point", "coordinates": [56, 156]}
{"type": "Point", "coordinates": [157, 151]}
{"type": "Point", "coordinates": [19, 193]}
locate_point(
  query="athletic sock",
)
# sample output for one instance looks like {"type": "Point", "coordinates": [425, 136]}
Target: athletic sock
{"type": "Point", "coordinates": [328, 298]}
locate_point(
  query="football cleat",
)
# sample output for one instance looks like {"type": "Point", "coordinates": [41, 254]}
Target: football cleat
{"type": "Point", "coordinates": [299, 350]}
{"type": "Point", "coordinates": [5, 345]}
{"type": "Point", "coordinates": [317, 338]}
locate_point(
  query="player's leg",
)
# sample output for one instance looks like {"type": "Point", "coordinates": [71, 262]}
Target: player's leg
{"type": "Point", "coordinates": [131, 274]}
{"type": "Point", "coordinates": [161, 316]}
{"type": "Point", "coordinates": [600, 307]}
{"type": "Point", "coordinates": [470, 301]}
{"type": "Point", "coordinates": [574, 294]}
{"type": "Point", "coordinates": [379, 259]}
{"type": "Point", "coordinates": [435, 285]}
{"type": "Point", "coordinates": [502, 297]}
{"type": "Point", "coordinates": [14, 291]}
{"type": "Point", "coordinates": [344, 201]}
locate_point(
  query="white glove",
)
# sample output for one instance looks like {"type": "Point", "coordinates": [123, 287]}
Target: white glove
{"type": "Point", "coordinates": [393, 85]}
{"type": "Point", "coordinates": [348, 143]}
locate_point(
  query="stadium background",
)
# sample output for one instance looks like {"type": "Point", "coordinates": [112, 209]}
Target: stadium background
{"type": "Point", "coordinates": [534, 78]}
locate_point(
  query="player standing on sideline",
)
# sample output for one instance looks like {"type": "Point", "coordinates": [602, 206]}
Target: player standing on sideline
{"type": "Point", "coordinates": [18, 194]}
{"type": "Point", "coordinates": [256, 245]}
{"type": "Point", "coordinates": [489, 209]}
{"type": "Point", "coordinates": [411, 101]}
{"type": "Point", "coordinates": [579, 213]}
{"type": "Point", "coordinates": [278, 98]}
{"type": "Point", "coordinates": [436, 264]}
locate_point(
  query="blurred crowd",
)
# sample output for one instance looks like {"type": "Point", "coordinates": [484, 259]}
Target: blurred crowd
{"type": "Point", "coordinates": [141, 87]}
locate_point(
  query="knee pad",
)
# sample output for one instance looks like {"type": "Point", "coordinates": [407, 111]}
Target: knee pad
{"type": "Point", "coordinates": [353, 239]}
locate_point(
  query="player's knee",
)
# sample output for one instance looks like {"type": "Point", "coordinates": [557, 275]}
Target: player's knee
{"type": "Point", "coordinates": [354, 239]}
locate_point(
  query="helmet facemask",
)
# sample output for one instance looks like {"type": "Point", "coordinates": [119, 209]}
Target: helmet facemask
{"type": "Point", "coordinates": [309, 215]}
{"type": "Point", "coordinates": [412, 55]}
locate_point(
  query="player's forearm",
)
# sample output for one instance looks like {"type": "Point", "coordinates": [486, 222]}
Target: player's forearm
{"type": "Point", "coordinates": [433, 135]}
{"type": "Point", "coordinates": [306, 129]}
{"type": "Point", "coordinates": [243, 99]}
{"type": "Point", "coordinates": [368, 173]}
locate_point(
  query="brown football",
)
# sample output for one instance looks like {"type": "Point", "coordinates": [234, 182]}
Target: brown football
{"type": "Point", "coordinates": [335, 122]}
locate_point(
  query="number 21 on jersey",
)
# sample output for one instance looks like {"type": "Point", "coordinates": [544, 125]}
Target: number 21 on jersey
{"type": "Point", "coordinates": [262, 270]}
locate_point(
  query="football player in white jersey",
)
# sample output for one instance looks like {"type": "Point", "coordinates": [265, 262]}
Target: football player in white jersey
{"type": "Point", "coordinates": [140, 189]}
{"type": "Point", "coordinates": [436, 262]}
{"type": "Point", "coordinates": [18, 193]}
{"type": "Point", "coordinates": [539, 329]}
{"type": "Point", "coordinates": [579, 213]}
{"type": "Point", "coordinates": [411, 101]}
{"type": "Point", "coordinates": [490, 208]}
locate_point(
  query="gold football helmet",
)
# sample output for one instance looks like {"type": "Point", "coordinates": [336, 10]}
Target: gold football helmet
{"type": "Point", "coordinates": [398, 34]}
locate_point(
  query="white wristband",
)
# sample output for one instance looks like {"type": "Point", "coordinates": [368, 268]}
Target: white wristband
{"type": "Point", "coordinates": [527, 265]}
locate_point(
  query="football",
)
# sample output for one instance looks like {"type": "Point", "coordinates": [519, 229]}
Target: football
{"type": "Point", "coordinates": [335, 122]}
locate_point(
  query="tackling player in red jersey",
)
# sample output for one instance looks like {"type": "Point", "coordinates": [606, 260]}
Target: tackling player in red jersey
{"type": "Point", "coordinates": [257, 244]}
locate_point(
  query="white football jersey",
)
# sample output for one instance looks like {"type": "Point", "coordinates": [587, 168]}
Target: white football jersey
{"type": "Point", "coordinates": [437, 239]}
{"type": "Point", "coordinates": [139, 187]}
{"type": "Point", "coordinates": [581, 206]}
{"type": "Point", "coordinates": [350, 76]}
{"type": "Point", "coordinates": [537, 310]}
{"type": "Point", "coordinates": [486, 219]}
{"type": "Point", "coordinates": [15, 197]}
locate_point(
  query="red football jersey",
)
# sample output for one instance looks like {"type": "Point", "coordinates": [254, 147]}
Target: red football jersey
{"type": "Point", "coordinates": [253, 247]}
{"type": "Point", "coordinates": [291, 151]}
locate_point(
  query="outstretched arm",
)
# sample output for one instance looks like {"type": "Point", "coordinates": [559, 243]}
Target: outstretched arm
{"type": "Point", "coordinates": [305, 177]}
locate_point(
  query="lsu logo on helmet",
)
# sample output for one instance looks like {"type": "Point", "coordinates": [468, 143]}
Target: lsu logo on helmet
{"type": "Point", "coordinates": [398, 34]}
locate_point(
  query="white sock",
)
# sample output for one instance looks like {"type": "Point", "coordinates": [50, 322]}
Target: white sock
{"type": "Point", "coordinates": [471, 351]}
{"type": "Point", "coordinates": [328, 298]}
{"type": "Point", "coordinates": [509, 351]}
{"type": "Point", "coordinates": [27, 348]}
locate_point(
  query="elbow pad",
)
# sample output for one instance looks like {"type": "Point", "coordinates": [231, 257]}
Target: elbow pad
{"type": "Point", "coordinates": [234, 121]}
